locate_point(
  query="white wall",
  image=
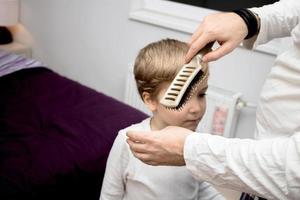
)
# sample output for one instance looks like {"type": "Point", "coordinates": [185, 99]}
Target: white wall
{"type": "Point", "coordinates": [93, 41]}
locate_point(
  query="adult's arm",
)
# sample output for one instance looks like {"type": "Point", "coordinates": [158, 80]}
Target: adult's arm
{"type": "Point", "coordinates": [229, 30]}
{"type": "Point", "coordinates": [269, 168]}
{"type": "Point", "coordinates": [276, 20]}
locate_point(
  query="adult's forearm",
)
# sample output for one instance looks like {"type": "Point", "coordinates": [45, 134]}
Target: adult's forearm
{"type": "Point", "coordinates": [277, 20]}
{"type": "Point", "coordinates": [269, 168]}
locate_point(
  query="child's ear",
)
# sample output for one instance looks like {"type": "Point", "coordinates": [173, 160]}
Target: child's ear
{"type": "Point", "coordinates": [149, 102]}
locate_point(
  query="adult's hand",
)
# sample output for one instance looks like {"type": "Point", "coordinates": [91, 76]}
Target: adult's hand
{"type": "Point", "coordinates": [228, 29]}
{"type": "Point", "coordinates": [164, 147]}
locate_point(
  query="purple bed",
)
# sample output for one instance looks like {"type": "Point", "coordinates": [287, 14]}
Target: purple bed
{"type": "Point", "coordinates": [55, 135]}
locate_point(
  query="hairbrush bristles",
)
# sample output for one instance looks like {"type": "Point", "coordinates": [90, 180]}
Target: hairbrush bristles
{"type": "Point", "coordinates": [200, 76]}
{"type": "Point", "coordinates": [185, 82]}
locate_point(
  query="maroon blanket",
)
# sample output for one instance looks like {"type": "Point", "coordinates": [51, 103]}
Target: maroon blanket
{"type": "Point", "coordinates": [55, 136]}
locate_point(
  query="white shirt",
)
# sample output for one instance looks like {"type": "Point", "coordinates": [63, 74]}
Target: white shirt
{"type": "Point", "coordinates": [269, 167]}
{"type": "Point", "coordinates": [128, 178]}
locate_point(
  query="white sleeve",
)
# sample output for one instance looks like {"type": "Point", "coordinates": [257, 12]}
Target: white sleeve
{"type": "Point", "coordinates": [269, 168]}
{"type": "Point", "coordinates": [113, 186]}
{"type": "Point", "coordinates": [208, 192]}
{"type": "Point", "coordinates": [277, 20]}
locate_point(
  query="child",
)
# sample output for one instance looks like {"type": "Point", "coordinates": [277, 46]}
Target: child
{"type": "Point", "coordinates": [126, 177]}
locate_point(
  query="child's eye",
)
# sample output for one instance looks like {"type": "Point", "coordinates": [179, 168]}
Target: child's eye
{"type": "Point", "coordinates": [201, 95]}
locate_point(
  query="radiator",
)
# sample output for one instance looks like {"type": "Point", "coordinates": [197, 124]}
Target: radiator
{"type": "Point", "coordinates": [222, 108]}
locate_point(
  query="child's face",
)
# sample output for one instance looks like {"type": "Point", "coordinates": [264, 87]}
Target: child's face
{"type": "Point", "coordinates": [188, 117]}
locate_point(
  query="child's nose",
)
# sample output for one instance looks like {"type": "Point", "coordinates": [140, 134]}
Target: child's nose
{"type": "Point", "coordinates": [195, 106]}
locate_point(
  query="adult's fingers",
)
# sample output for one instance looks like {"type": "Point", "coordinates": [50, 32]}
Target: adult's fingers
{"type": "Point", "coordinates": [195, 35]}
{"type": "Point", "coordinates": [136, 146]}
{"type": "Point", "coordinates": [146, 159]}
{"type": "Point", "coordinates": [218, 53]}
{"type": "Point", "coordinates": [196, 46]}
{"type": "Point", "coordinates": [137, 136]}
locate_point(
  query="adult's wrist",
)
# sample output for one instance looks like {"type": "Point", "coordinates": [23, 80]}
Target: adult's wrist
{"type": "Point", "coordinates": [251, 20]}
{"type": "Point", "coordinates": [188, 146]}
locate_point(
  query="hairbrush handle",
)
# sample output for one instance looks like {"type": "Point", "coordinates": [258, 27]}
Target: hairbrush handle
{"type": "Point", "coordinates": [206, 49]}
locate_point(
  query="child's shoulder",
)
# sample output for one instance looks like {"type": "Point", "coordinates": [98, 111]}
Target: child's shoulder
{"type": "Point", "coordinates": [141, 126]}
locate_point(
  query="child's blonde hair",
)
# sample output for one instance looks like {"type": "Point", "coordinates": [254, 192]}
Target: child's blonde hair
{"type": "Point", "coordinates": [157, 63]}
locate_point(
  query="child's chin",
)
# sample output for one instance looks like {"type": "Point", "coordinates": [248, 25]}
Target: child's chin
{"type": "Point", "coordinates": [191, 128]}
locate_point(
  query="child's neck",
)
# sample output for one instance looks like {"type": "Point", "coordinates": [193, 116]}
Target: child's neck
{"type": "Point", "coordinates": [156, 125]}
